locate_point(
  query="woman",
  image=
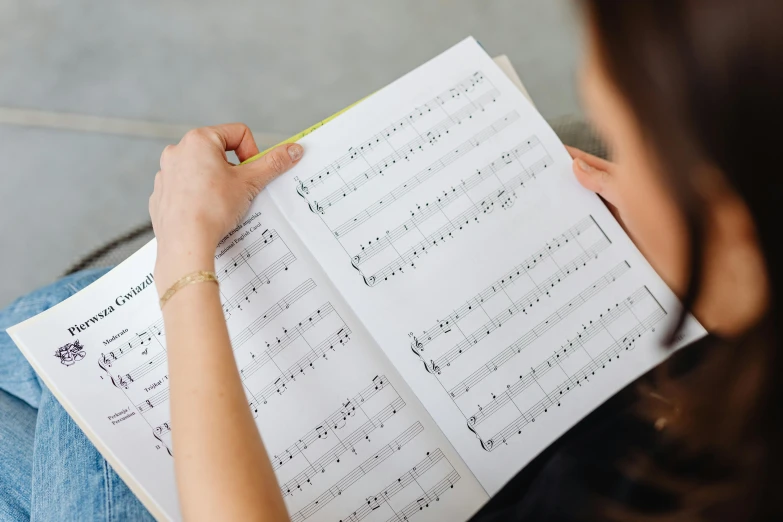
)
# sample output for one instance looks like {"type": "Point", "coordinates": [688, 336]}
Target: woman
{"type": "Point", "coordinates": [686, 95]}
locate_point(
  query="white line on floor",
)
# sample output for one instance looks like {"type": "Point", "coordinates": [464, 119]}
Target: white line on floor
{"type": "Point", "coordinates": [117, 126]}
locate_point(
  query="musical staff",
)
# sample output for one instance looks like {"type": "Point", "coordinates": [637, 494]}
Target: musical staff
{"type": "Point", "coordinates": [436, 103]}
{"type": "Point", "coordinates": [146, 367]}
{"type": "Point", "coordinates": [290, 335]}
{"type": "Point", "coordinates": [340, 448]}
{"type": "Point", "coordinates": [431, 495]}
{"type": "Point", "coordinates": [409, 478]}
{"type": "Point", "coordinates": [625, 343]}
{"type": "Point", "coordinates": [280, 384]}
{"type": "Point", "coordinates": [338, 338]}
{"type": "Point", "coordinates": [521, 270]}
{"type": "Point", "coordinates": [522, 342]}
{"type": "Point", "coordinates": [350, 187]}
{"type": "Point", "coordinates": [485, 206]}
{"type": "Point", "coordinates": [155, 400]}
{"type": "Point", "coordinates": [422, 213]}
{"type": "Point", "coordinates": [267, 238]}
{"type": "Point", "coordinates": [337, 421]}
{"type": "Point", "coordinates": [163, 429]}
{"type": "Point", "coordinates": [437, 206]}
{"type": "Point", "coordinates": [155, 330]}
{"type": "Point", "coordinates": [360, 471]}
{"type": "Point", "coordinates": [272, 312]}
{"type": "Point", "coordinates": [143, 339]}
{"type": "Point", "coordinates": [473, 304]}
{"type": "Point", "coordinates": [163, 434]}
{"type": "Point", "coordinates": [572, 345]}
{"type": "Point", "coordinates": [242, 296]}
{"type": "Point", "coordinates": [561, 313]}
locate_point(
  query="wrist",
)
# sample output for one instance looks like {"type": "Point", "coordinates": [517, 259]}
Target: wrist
{"type": "Point", "coordinates": [174, 262]}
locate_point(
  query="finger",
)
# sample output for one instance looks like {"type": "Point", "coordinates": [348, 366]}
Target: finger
{"type": "Point", "coordinates": [275, 162]}
{"type": "Point", "coordinates": [597, 180]}
{"type": "Point", "coordinates": [591, 160]}
{"type": "Point", "coordinates": [152, 207]}
{"type": "Point", "coordinates": [166, 154]}
{"type": "Point", "coordinates": [237, 137]}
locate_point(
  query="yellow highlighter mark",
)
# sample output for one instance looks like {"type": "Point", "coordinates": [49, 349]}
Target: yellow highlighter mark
{"type": "Point", "coordinates": [302, 134]}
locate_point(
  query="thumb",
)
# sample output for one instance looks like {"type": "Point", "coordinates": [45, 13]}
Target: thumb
{"type": "Point", "coordinates": [595, 177]}
{"type": "Point", "coordinates": [260, 172]}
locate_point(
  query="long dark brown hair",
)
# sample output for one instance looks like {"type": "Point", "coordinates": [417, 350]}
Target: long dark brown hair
{"type": "Point", "coordinates": [704, 79]}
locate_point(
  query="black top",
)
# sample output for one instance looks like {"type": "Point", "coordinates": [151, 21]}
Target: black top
{"type": "Point", "coordinates": [581, 466]}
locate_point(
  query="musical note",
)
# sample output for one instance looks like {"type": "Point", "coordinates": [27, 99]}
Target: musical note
{"type": "Point", "coordinates": [305, 186]}
{"type": "Point", "coordinates": [263, 278]}
{"type": "Point", "coordinates": [272, 312]}
{"type": "Point", "coordinates": [268, 237]}
{"type": "Point", "coordinates": [339, 338]}
{"type": "Point", "coordinates": [426, 211]}
{"type": "Point", "coordinates": [509, 278]}
{"type": "Point", "coordinates": [572, 382]}
{"type": "Point", "coordinates": [146, 367]}
{"type": "Point", "coordinates": [336, 422]}
{"type": "Point", "coordinates": [433, 494]}
{"type": "Point", "coordinates": [289, 336]}
{"type": "Point", "coordinates": [485, 330]}
{"type": "Point", "coordinates": [407, 258]}
{"type": "Point", "coordinates": [415, 145]}
{"type": "Point", "coordinates": [351, 477]}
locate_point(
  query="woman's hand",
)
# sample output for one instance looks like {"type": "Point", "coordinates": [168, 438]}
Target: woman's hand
{"type": "Point", "coordinates": [598, 175]}
{"type": "Point", "coordinates": [199, 196]}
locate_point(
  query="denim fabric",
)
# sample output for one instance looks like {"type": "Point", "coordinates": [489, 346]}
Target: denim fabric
{"type": "Point", "coordinates": [49, 470]}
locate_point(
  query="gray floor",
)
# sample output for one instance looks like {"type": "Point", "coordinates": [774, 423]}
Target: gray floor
{"type": "Point", "coordinates": [278, 66]}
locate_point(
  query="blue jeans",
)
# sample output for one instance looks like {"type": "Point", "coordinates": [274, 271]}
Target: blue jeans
{"type": "Point", "coordinates": [49, 470]}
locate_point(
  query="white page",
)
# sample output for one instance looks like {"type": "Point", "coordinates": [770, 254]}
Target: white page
{"type": "Point", "coordinates": [347, 438]}
{"type": "Point", "coordinates": [445, 211]}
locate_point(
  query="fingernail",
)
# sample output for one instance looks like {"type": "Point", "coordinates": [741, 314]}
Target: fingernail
{"type": "Point", "coordinates": [583, 166]}
{"type": "Point", "coordinates": [295, 151]}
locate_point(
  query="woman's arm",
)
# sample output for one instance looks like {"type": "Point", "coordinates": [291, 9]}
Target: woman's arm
{"type": "Point", "coordinates": [222, 469]}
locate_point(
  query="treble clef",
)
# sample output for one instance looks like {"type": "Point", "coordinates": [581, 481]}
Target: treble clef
{"type": "Point", "coordinates": [487, 445]}
{"type": "Point", "coordinates": [368, 280]}
{"type": "Point", "coordinates": [104, 362]}
{"type": "Point", "coordinates": [302, 189]}
{"type": "Point", "coordinates": [417, 346]}
{"type": "Point", "coordinates": [116, 382]}
{"type": "Point", "coordinates": [315, 207]}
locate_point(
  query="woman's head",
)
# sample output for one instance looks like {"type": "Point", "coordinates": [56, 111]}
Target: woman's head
{"type": "Point", "coordinates": [689, 97]}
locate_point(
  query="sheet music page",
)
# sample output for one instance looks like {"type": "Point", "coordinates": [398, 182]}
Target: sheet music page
{"type": "Point", "coordinates": [347, 438]}
{"type": "Point", "coordinates": [445, 211]}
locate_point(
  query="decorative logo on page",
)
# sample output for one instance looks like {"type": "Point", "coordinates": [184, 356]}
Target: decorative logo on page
{"type": "Point", "coordinates": [70, 353]}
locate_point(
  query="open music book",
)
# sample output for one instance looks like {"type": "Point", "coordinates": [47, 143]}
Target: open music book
{"type": "Point", "coordinates": [417, 309]}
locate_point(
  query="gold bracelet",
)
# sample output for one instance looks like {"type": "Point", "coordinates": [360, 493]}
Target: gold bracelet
{"type": "Point", "coordinates": [195, 277]}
